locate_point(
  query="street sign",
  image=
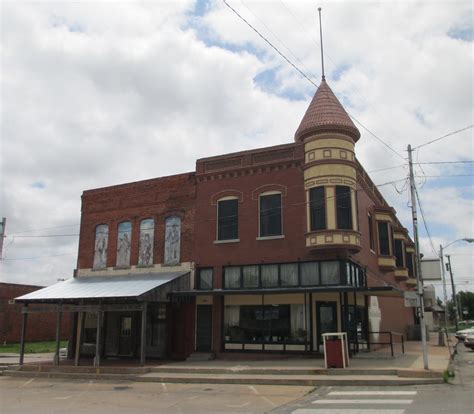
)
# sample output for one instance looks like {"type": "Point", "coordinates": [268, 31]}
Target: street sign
{"type": "Point", "coordinates": [411, 299]}
{"type": "Point", "coordinates": [431, 269]}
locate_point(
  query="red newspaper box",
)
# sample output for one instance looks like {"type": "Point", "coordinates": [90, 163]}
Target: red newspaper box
{"type": "Point", "coordinates": [335, 350]}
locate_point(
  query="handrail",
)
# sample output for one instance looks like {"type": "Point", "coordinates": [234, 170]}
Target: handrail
{"type": "Point", "coordinates": [391, 334]}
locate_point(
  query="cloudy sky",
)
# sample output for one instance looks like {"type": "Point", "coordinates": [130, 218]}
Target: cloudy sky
{"type": "Point", "coordinates": [101, 93]}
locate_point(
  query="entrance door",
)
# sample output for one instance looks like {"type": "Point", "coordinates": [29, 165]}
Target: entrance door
{"type": "Point", "coordinates": [204, 328]}
{"type": "Point", "coordinates": [326, 317]}
{"type": "Point", "coordinates": [125, 335]}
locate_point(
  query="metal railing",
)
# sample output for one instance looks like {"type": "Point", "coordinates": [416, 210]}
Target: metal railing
{"type": "Point", "coordinates": [391, 334]}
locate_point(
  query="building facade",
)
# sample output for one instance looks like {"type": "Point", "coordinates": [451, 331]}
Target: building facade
{"type": "Point", "coordinates": [264, 251]}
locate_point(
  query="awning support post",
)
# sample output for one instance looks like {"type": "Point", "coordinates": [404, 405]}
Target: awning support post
{"type": "Point", "coordinates": [58, 335]}
{"type": "Point", "coordinates": [78, 338]}
{"type": "Point", "coordinates": [143, 336]}
{"type": "Point", "coordinates": [23, 333]}
{"type": "Point", "coordinates": [97, 340]}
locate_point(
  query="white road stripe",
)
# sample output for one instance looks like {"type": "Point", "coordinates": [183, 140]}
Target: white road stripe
{"type": "Point", "coordinates": [27, 383]}
{"type": "Point", "coordinates": [372, 393]}
{"type": "Point", "coordinates": [364, 401]}
{"type": "Point", "coordinates": [344, 411]}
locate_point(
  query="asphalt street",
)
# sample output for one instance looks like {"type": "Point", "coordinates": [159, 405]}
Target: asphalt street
{"type": "Point", "coordinates": [457, 397]}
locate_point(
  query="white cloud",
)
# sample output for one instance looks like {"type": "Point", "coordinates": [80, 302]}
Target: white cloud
{"type": "Point", "coordinates": [95, 94]}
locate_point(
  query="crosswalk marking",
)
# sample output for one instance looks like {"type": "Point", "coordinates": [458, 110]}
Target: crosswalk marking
{"type": "Point", "coordinates": [344, 411]}
{"type": "Point", "coordinates": [372, 393]}
{"type": "Point", "coordinates": [363, 401]}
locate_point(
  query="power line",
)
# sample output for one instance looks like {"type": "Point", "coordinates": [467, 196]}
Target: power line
{"type": "Point", "coordinates": [444, 162]}
{"type": "Point", "coordinates": [39, 257]}
{"type": "Point", "coordinates": [444, 136]}
{"type": "Point", "coordinates": [424, 222]}
{"type": "Point", "coordinates": [306, 77]}
{"type": "Point", "coordinates": [269, 43]}
{"type": "Point", "coordinates": [44, 228]}
{"type": "Point", "coordinates": [47, 235]}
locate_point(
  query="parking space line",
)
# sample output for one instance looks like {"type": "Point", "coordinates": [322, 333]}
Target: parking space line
{"type": "Point", "coordinates": [373, 393]}
{"type": "Point", "coordinates": [27, 383]}
{"type": "Point", "coordinates": [363, 401]}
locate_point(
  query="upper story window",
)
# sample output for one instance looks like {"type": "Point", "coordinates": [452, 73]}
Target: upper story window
{"type": "Point", "coordinates": [270, 214]}
{"type": "Point", "coordinates": [228, 219]}
{"type": "Point", "coordinates": [398, 244]}
{"type": "Point", "coordinates": [410, 265]}
{"type": "Point", "coordinates": [384, 238]}
{"type": "Point", "coordinates": [317, 208]}
{"type": "Point", "coordinates": [205, 279]}
{"type": "Point", "coordinates": [145, 248]}
{"type": "Point", "coordinates": [268, 276]}
{"type": "Point", "coordinates": [124, 243]}
{"type": "Point", "coordinates": [100, 246]}
{"type": "Point", "coordinates": [172, 240]}
{"type": "Point", "coordinates": [343, 207]}
{"type": "Point", "coordinates": [371, 233]}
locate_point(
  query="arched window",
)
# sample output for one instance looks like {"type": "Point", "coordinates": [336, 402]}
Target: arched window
{"type": "Point", "coordinates": [228, 218]}
{"type": "Point", "coordinates": [172, 240]}
{"type": "Point", "coordinates": [124, 243]}
{"type": "Point", "coordinates": [270, 214]}
{"type": "Point", "coordinates": [145, 248]}
{"type": "Point", "coordinates": [100, 246]}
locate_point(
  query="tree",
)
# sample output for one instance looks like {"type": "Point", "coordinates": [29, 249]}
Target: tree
{"type": "Point", "coordinates": [466, 300]}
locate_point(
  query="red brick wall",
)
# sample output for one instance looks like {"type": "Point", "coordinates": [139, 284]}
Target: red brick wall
{"type": "Point", "coordinates": [40, 326]}
{"type": "Point", "coordinates": [157, 198]}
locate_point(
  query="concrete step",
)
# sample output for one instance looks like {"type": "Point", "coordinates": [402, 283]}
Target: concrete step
{"type": "Point", "coordinates": [301, 380]}
{"type": "Point", "coordinates": [201, 356]}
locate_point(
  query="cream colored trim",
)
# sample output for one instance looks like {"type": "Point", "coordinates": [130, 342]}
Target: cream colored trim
{"type": "Point", "coordinates": [355, 222]}
{"type": "Point", "coordinates": [226, 241]}
{"type": "Point", "coordinates": [281, 236]}
{"type": "Point", "coordinates": [135, 270]}
{"type": "Point", "coordinates": [330, 207]}
{"type": "Point", "coordinates": [329, 141]}
{"type": "Point", "coordinates": [383, 217]}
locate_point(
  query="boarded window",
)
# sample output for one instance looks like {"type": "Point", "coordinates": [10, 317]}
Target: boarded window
{"type": "Point", "coordinates": [205, 279]}
{"type": "Point", "coordinates": [100, 246]}
{"type": "Point", "coordinates": [145, 248]}
{"type": "Point", "coordinates": [399, 253]}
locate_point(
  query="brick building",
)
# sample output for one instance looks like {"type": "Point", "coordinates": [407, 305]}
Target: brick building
{"type": "Point", "coordinates": [256, 251]}
{"type": "Point", "coordinates": [43, 326]}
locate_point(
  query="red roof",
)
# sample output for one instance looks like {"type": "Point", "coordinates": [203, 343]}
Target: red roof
{"type": "Point", "coordinates": [325, 113]}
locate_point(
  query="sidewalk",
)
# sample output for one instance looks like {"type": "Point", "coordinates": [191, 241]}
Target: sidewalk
{"type": "Point", "coordinates": [374, 368]}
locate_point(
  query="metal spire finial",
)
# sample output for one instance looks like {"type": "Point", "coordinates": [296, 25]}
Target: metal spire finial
{"type": "Point", "coordinates": [321, 37]}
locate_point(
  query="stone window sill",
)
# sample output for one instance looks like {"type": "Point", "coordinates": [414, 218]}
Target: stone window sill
{"type": "Point", "coordinates": [281, 236]}
{"type": "Point", "coordinates": [226, 241]}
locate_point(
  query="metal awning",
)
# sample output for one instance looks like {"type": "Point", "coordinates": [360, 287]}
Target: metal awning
{"type": "Point", "coordinates": [96, 287]}
{"type": "Point", "coordinates": [389, 291]}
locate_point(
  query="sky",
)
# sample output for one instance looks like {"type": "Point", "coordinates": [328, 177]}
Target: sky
{"type": "Point", "coordinates": [101, 93]}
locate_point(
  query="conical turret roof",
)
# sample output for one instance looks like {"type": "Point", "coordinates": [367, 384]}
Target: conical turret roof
{"type": "Point", "coordinates": [325, 113]}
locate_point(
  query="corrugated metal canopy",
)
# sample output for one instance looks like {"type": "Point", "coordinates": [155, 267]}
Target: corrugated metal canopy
{"type": "Point", "coordinates": [88, 287]}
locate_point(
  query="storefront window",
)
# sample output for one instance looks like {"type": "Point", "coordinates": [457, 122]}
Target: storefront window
{"type": "Point", "coordinates": [269, 275]}
{"type": "Point", "coordinates": [232, 277]}
{"type": "Point", "coordinates": [265, 324]}
{"type": "Point", "coordinates": [289, 274]}
{"type": "Point", "coordinates": [250, 276]}
{"type": "Point", "coordinates": [330, 273]}
{"type": "Point", "coordinates": [310, 274]}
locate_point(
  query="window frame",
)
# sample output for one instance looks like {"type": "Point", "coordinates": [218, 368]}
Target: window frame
{"type": "Point", "coordinates": [401, 250]}
{"type": "Point", "coordinates": [229, 240]}
{"type": "Point", "coordinates": [311, 208]}
{"type": "Point", "coordinates": [343, 210]}
{"type": "Point", "coordinates": [198, 279]}
{"type": "Point", "coordinates": [389, 244]}
{"type": "Point", "coordinates": [371, 232]}
{"type": "Point", "coordinates": [273, 236]}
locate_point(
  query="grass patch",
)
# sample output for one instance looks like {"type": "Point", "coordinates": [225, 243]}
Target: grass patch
{"type": "Point", "coordinates": [32, 347]}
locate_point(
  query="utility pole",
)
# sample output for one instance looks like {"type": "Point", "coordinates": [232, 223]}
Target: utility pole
{"type": "Point", "coordinates": [419, 279]}
{"type": "Point", "coordinates": [445, 293]}
{"type": "Point", "coordinates": [3, 223]}
{"type": "Point", "coordinates": [455, 304]}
